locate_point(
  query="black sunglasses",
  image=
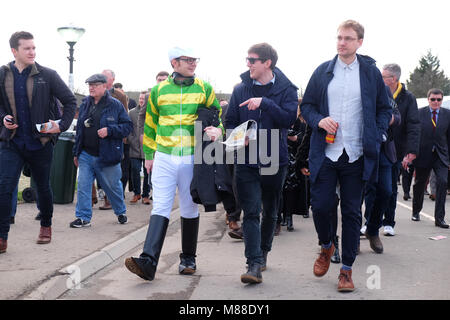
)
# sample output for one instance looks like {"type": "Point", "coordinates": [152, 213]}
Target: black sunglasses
{"type": "Point", "coordinates": [436, 99]}
{"type": "Point", "coordinates": [253, 60]}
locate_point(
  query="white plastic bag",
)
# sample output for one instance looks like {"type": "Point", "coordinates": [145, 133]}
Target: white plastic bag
{"type": "Point", "coordinates": [237, 138]}
{"type": "Point", "coordinates": [42, 127]}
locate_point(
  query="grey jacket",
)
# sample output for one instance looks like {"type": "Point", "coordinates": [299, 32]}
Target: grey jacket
{"type": "Point", "coordinates": [134, 140]}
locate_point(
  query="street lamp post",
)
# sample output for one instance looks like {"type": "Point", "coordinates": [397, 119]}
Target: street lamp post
{"type": "Point", "coordinates": [71, 35]}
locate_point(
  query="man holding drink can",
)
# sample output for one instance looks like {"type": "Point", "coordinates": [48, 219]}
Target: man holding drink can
{"type": "Point", "coordinates": [345, 97]}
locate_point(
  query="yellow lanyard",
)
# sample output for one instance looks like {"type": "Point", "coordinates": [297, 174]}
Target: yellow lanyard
{"type": "Point", "coordinates": [432, 120]}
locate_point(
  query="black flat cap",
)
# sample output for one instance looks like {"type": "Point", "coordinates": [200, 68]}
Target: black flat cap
{"type": "Point", "coordinates": [98, 77]}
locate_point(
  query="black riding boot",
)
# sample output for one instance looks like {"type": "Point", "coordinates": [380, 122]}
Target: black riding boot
{"type": "Point", "coordinates": [189, 236]}
{"type": "Point", "coordinates": [335, 258]}
{"type": "Point", "coordinates": [145, 265]}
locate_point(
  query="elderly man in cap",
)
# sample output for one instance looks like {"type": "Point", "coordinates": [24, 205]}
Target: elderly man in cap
{"type": "Point", "coordinates": [169, 154]}
{"type": "Point", "coordinates": [102, 124]}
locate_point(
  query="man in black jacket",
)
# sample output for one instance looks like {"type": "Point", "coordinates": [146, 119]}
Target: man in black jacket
{"type": "Point", "coordinates": [406, 138]}
{"type": "Point", "coordinates": [26, 93]}
{"type": "Point", "coordinates": [269, 98]}
{"type": "Point", "coordinates": [377, 194]}
{"type": "Point", "coordinates": [433, 154]}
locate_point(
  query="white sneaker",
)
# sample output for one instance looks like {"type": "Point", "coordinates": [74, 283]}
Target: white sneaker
{"type": "Point", "coordinates": [363, 230]}
{"type": "Point", "coordinates": [389, 231]}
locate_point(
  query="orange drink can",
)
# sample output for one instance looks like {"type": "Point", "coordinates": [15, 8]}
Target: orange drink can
{"type": "Point", "coordinates": [330, 138]}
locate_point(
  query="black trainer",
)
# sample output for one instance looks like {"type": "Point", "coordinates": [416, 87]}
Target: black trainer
{"type": "Point", "coordinates": [78, 223]}
{"type": "Point", "coordinates": [122, 219]}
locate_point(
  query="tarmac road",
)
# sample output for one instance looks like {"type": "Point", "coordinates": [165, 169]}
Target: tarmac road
{"type": "Point", "coordinates": [412, 267]}
{"type": "Point", "coordinates": [27, 265]}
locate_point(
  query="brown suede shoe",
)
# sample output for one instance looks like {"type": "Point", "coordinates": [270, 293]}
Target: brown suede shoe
{"type": "Point", "coordinates": [345, 281]}
{"type": "Point", "coordinates": [145, 200]}
{"type": "Point", "coordinates": [45, 235]}
{"type": "Point", "coordinates": [135, 199]}
{"type": "Point", "coordinates": [323, 261]}
{"type": "Point", "coordinates": [233, 225]}
{"type": "Point", "coordinates": [3, 245]}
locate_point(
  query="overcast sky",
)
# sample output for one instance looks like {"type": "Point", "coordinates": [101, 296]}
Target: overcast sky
{"type": "Point", "coordinates": [133, 37]}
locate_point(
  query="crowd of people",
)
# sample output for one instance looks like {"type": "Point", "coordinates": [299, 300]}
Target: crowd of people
{"type": "Point", "coordinates": [339, 148]}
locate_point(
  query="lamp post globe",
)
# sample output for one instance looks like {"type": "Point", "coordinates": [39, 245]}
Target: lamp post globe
{"type": "Point", "coordinates": [71, 35]}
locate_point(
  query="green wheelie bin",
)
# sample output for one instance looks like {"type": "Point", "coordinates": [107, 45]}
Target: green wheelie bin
{"type": "Point", "coordinates": [63, 173]}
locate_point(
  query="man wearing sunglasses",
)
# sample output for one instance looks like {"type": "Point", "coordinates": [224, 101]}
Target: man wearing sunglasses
{"type": "Point", "coordinates": [346, 97]}
{"type": "Point", "coordinates": [433, 154]}
{"type": "Point", "coordinates": [169, 154]}
{"type": "Point", "coordinates": [268, 97]}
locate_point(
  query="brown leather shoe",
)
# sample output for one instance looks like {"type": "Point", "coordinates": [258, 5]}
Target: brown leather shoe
{"type": "Point", "coordinates": [323, 261]}
{"type": "Point", "coordinates": [233, 225]}
{"type": "Point", "coordinates": [345, 283]}
{"type": "Point", "coordinates": [106, 205]}
{"type": "Point", "coordinates": [145, 200]}
{"type": "Point", "coordinates": [135, 199]}
{"type": "Point", "coordinates": [45, 235]}
{"type": "Point", "coordinates": [375, 243]}
{"type": "Point", "coordinates": [236, 234]}
{"type": "Point", "coordinates": [3, 245]}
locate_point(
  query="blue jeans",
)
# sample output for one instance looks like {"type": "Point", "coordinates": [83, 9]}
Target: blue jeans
{"type": "Point", "coordinates": [109, 178]}
{"type": "Point", "coordinates": [12, 159]}
{"type": "Point", "coordinates": [253, 190]}
{"type": "Point", "coordinates": [378, 196]}
{"type": "Point", "coordinates": [323, 203]}
{"type": "Point", "coordinates": [136, 166]}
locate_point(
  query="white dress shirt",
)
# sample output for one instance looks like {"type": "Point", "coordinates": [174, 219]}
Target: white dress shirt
{"type": "Point", "coordinates": [345, 107]}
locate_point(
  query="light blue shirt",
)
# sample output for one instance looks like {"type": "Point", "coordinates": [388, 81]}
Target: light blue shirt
{"type": "Point", "coordinates": [257, 83]}
{"type": "Point", "coordinates": [437, 114]}
{"type": "Point", "coordinates": [345, 107]}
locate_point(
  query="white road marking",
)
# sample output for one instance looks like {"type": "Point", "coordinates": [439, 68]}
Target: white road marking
{"type": "Point", "coordinates": [426, 215]}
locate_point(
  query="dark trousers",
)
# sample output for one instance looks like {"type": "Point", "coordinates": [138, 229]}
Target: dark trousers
{"type": "Point", "coordinates": [389, 216]}
{"type": "Point", "coordinates": [378, 195]}
{"type": "Point", "coordinates": [323, 203]}
{"type": "Point", "coordinates": [422, 175]}
{"type": "Point", "coordinates": [125, 165]}
{"type": "Point", "coordinates": [255, 190]}
{"type": "Point", "coordinates": [231, 203]}
{"type": "Point", "coordinates": [448, 180]}
{"type": "Point", "coordinates": [407, 177]}
{"type": "Point", "coordinates": [136, 166]}
{"type": "Point", "coordinates": [12, 159]}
